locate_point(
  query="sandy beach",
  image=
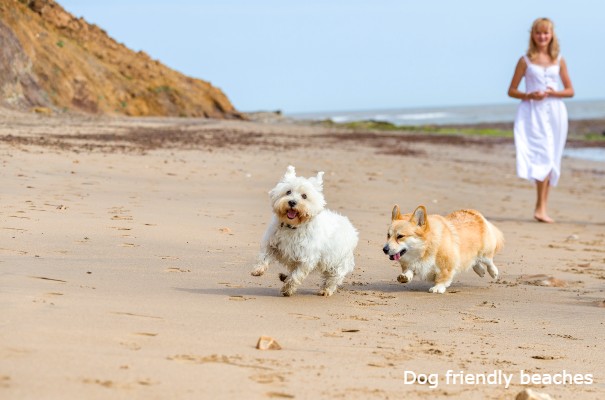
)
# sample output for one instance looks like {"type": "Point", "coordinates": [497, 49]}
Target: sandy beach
{"type": "Point", "coordinates": [126, 247]}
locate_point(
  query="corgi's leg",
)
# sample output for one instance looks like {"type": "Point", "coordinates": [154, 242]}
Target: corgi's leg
{"type": "Point", "coordinates": [479, 269]}
{"type": "Point", "coordinates": [443, 279]}
{"type": "Point", "coordinates": [439, 288]}
{"type": "Point", "coordinates": [405, 276]}
{"type": "Point", "coordinates": [491, 268]}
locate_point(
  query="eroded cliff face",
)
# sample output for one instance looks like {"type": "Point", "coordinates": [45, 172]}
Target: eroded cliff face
{"type": "Point", "coordinates": [49, 58]}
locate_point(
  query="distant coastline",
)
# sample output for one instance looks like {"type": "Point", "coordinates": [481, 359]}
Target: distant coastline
{"type": "Point", "coordinates": [586, 121]}
{"type": "Point", "coordinates": [451, 115]}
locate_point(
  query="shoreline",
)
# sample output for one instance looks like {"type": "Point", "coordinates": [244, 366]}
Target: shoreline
{"type": "Point", "coordinates": [577, 127]}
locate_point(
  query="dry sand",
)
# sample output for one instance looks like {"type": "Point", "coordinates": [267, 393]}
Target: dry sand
{"type": "Point", "coordinates": [126, 248]}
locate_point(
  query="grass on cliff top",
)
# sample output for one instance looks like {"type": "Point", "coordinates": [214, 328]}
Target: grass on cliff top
{"type": "Point", "coordinates": [432, 129]}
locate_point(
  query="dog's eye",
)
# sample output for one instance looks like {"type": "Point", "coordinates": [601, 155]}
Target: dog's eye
{"type": "Point", "coordinates": [388, 235]}
{"type": "Point", "coordinates": [289, 192]}
{"type": "Point", "coordinates": [304, 196]}
{"type": "Point", "coordinates": [399, 237]}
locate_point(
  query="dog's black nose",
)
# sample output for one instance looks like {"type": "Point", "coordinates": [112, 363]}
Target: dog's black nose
{"type": "Point", "coordinates": [386, 249]}
{"type": "Point", "coordinates": [291, 203]}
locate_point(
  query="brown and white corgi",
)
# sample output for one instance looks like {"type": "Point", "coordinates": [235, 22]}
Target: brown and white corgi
{"type": "Point", "coordinates": [436, 248]}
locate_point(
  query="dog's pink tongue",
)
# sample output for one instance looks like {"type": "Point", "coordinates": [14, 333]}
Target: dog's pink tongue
{"type": "Point", "coordinates": [292, 214]}
{"type": "Point", "coordinates": [396, 256]}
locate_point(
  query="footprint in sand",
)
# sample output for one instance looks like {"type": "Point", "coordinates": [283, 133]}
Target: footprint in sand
{"type": "Point", "coordinates": [122, 218]}
{"type": "Point", "coordinates": [128, 314]}
{"type": "Point", "coordinates": [541, 280]}
{"type": "Point", "coordinates": [11, 251]}
{"type": "Point", "coordinates": [111, 384]}
{"type": "Point", "coordinates": [131, 346]}
{"type": "Point", "coordinates": [231, 285]}
{"type": "Point", "coordinates": [240, 298]}
{"type": "Point", "coordinates": [268, 378]}
{"type": "Point", "coordinates": [48, 279]}
{"type": "Point", "coordinates": [303, 316]}
{"type": "Point", "coordinates": [176, 269]}
{"type": "Point", "coordinates": [235, 360]}
{"type": "Point", "coordinates": [279, 395]}
{"type": "Point", "coordinates": [5, 381]}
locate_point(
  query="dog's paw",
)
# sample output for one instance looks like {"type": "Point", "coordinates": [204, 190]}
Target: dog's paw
{"type": "Point", "coordinates": [405, 277]}
{"type": "Point", "coordinates": [438, 288]}
{"type": "Point", "coordinates": [326, 292]}
{"type": "Point", "coordinates": [288, 290]}
{"type": "Point", "coordinates": [479, 270]}
{"type": "Point", "coordinates": [283, 277]}
{"type": "Point", "coordinates": [493, 271]}
{"type": "Point", "coordinates": [259, 270]}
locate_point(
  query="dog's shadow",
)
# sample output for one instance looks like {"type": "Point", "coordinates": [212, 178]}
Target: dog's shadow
{"type": "Point", "coordinates": [244, 291]}
{"type": "Point", "coordinates": [237, 290]}
{"type": "Point", "coordinates": [416, 287]}
{"type": "Point", "coordinates": [389, 287]}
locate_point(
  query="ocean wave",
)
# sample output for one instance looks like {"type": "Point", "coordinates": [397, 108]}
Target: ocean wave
{"type": "Point", "coordinates": [487, 113]}
{"type": "Point", "coordinates": [421, 116]}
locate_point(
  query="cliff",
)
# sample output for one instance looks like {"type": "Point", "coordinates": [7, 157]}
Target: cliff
{"type": "Point", "coordinates": [49, 59]}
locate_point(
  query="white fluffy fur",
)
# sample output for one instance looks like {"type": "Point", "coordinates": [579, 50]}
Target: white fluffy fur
{"type": "Point", "coordinates": [321, 240]}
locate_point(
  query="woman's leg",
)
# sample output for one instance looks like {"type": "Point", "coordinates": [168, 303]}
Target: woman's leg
{"type": "Point", "coordinates": [542, 199]}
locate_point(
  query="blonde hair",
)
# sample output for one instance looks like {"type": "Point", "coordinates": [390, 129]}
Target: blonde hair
{"type": "Point", "coordinates": [553, 46]}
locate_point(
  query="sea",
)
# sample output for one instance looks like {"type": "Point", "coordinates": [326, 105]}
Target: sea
{"type": "Point", "coordinates": [465, 115]}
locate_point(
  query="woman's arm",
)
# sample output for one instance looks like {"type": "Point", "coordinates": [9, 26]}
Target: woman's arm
{"type": "Point", "coordinates": [567, 86]}
{"type": "Point", "coordinates": [513, 90]}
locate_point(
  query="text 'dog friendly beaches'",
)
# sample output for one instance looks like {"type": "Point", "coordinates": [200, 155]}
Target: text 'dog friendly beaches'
{"type": "Point", "coordinates": [495, 378]}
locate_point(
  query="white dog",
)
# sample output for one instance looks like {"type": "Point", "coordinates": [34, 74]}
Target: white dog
{"type": "Point", "coordinates": [304, 236]}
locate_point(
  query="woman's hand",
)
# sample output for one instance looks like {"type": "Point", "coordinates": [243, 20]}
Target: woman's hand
{"type": "Point", "coordinates": [550, 92]}
{"type": "Point", "coordinates": [539, 95]}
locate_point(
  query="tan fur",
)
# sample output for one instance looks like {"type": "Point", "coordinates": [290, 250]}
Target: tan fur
{"type": "Point", "coordinates": [282, 214]}
{"type": "Point", "coordinates": [436, 248]}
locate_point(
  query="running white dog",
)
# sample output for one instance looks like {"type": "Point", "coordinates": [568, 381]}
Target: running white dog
{"type": "Point", "coordinates": [304, 236]}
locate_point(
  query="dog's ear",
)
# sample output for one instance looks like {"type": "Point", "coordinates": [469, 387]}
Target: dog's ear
{"type": "Point", "coordinates": [419, 217]}
{"type": "Point", "coordinates": [396, 213]}
{"type": "Point", "coordinates": [290, 172]}
{"type": "Point", "coordinates": [318, 181]}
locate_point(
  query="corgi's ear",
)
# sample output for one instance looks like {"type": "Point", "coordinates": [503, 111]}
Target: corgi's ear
{"type": "Point", "coordinates": [396, 213]}
{"type": "Point", "coordinates": [290, 172]}
{"type": "Point", "coordinates": [419, 217]}
{"type": "Point", "coordinates": [318, 181]}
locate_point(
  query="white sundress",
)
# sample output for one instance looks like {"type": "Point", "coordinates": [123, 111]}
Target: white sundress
{"type": "Point", "coordinates": [540, 126]}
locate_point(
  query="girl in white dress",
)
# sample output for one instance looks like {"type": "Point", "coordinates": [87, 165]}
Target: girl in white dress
{"type": "Point", "coordinates": [541, 121]}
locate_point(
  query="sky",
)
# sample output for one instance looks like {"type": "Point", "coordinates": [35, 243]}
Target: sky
{"type": "Point", "coordinates": [347, 55]}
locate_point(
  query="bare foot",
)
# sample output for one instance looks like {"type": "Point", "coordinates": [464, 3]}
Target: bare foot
{"type": "Point", "coordinates": [543, 217]}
